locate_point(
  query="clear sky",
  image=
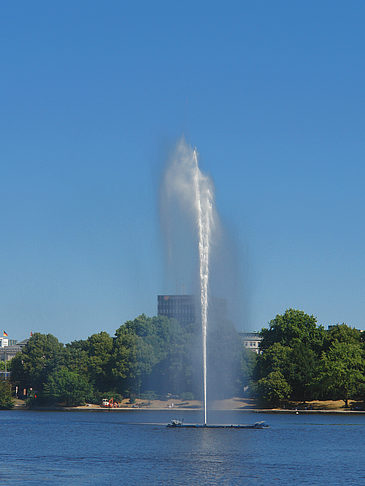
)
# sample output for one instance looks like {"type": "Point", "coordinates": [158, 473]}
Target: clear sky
{"type": "Point", "coordinates": [93, 97]}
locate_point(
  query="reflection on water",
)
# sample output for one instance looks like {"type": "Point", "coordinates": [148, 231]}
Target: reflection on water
{"type": "Point", "coordinates": [124, 448]}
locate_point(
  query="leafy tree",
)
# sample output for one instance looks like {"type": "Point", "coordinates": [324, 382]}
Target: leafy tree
{"type": "Point", "coordinates": [68, 387]}
{"type": "Point", "coordinates": [302, 369]}
{"type": "Point", "coordinates": [6, 399]}
{"type": "Point", "coordinates": [152, 354]}
{"type": "Point", "coordinates": [273, 388]}
{"type": "Point", "coordinates": [133, 357]}
{"type": "Point", "coordinates": [292, 346]}
{"type": "Point", "coordinates": [293, 325]}
{"type": "Point", "coordinates": [99, 349]}
{"type": "Point", "coordinates": [172, 346]}
{"type": "Point", "coordinates": [39, 358]}
{"type": "Point", "coordinates": [8, 365]}
{"type": "Point", "coordinates": [274, 358]}
{"type": "Point", "coordinates": [92, 358]}
{"type": "Point", "coordinates": [342, 371]}
{"type": "Point", "coordinates": [75, 358]}
{"type": "Point", "coordinates": [342, 333]}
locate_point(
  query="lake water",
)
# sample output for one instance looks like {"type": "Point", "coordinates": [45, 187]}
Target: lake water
{"type": "Point", "coordinates": [130, 448]}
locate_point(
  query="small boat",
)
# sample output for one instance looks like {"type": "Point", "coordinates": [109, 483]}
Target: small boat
{"type": "Point", "coordinates": [180, 423]}
{"type": "Point", "coordinates": [176, 423]}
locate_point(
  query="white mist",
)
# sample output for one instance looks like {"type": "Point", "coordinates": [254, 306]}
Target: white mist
{"type": "Point", "coordinates": [193, 191]}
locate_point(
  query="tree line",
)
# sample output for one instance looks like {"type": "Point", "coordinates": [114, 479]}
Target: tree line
{"type": "Point", "coordinates": [153, 357]}
{"type": "Point", "coordinates": [302, 361]}
{"type": "Point", "coordinates": [149, 357]}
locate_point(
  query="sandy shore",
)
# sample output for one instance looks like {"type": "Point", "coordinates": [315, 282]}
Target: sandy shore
{"type": "Point", "coordinates": [231, 404]}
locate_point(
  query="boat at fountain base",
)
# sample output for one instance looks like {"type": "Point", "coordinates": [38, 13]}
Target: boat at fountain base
{"type": "Point", "coordinates": [180, 424]}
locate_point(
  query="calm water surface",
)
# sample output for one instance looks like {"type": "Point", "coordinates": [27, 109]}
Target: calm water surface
{"type": "Point", "coordinates": [131, 448]}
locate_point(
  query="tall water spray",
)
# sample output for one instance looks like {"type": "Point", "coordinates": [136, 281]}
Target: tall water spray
{"type": "Point", "coordinates": [204, 209]}
{"type": "Point", "coordinates": [192, 190]}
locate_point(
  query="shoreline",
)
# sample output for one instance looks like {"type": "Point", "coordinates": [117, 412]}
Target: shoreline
{"type": "Point", "coordinates": [234, 404]}
{"type": "Point", "coordinates": [177, 410]}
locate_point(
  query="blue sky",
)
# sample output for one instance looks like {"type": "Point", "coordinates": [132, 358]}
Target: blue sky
{"type": "Point", "coordinates": [93, 98]}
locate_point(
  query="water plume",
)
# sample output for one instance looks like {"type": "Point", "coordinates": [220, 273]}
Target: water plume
{"type": "Point", "coordinates": [204, 209]}
{"type": "Point", "coordinates": [187, 186]}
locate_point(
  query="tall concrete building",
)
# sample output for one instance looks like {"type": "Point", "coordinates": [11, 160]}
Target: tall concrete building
{"type": "Point", "coordinates": [183, 308]}
{"type": "Point", "coordinates": [186, 309]}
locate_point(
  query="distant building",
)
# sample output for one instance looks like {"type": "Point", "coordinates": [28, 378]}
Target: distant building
{"type": "Point", "coordinates": [23, 343]}
{"type": "Point", "coordinates": [10, 347]}
{"type": "Point", "coordinates": [251, 340]}
{"type": "Point", "coordinates": [186, 309]}
{"type": "Point", "coordinates": [8, 352]}
{"type": "Point", "coordinates": [180, 307]}
{"type": "Point", "coordinates": [4, 341]}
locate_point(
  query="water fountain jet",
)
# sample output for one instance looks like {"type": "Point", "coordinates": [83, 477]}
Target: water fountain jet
{"type": "Point", "coordinates": [204, 217]}
{"type": "Point", "coordinates": [186, 186]}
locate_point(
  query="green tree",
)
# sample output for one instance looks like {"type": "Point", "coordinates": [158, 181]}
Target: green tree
{"type": "Point", "coordinates": [100, 349]}
{"type": "Point", "coordinates": [6, 365]}
{"type": "Point", "coordinates": [342, 333]}
{"type": "Point", "coordinates": [171, 372]}
{"type": "Point", "coordinates": [302, 369]}
{"type": "Point", "coordinates": [75, 358]}
{"type": "Point", "coordinates": [274, 358]}
{"type": "Point", "coordinates": [342, 371]}
{"type": "Point", "coordinates": [67, 387]}
{"type": "Point", "coordinates": [39, 358]}
{"type": "Point", "coordinates": [92, 359]}
{"type": "Point", "coordinates": [153, 354]}
{"type": "Point", "coordinates": [273, 388]}
{"type": "Point", "coordinates": [292, 326]}
{"type": "Point", "coordinates": [297, 364]}
{"type": "Point", "coordinates": [133, 357]}
{"type": "Point", "coordinates": [6, 399]}
{"type": "Point", "coordinates": [292, 346]}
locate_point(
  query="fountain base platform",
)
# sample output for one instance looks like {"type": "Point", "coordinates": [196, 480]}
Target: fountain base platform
{"type": "Point", "coordinates": [180, 424]}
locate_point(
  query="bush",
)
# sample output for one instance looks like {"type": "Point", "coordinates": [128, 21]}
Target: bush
{"type": "Point", "coordinates": [187, 396]}
{"type": "Point", "coordinates": [6, 399]}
